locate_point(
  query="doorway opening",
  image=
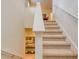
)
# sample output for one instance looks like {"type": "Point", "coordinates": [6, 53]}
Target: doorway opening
{"type": "Point", "coordinates": [46, 7]}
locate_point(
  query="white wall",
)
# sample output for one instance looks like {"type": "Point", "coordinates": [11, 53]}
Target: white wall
{"type": "Point", "coordinates": [65, 12]}
{"type": "Point", "coordinates": [70, 6]}
{"type": "Point", "coordinates": [29, 17]}
{"type": "Point", "coordinates": [13, 26]}
{"type": "Point", "coordinates": [5, 57]}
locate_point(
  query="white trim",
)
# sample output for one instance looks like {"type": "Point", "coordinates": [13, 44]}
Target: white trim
{"type": "Point", "coordinates": [67, 35]}
{"type": "Point", "coordinates": [8, 54]}
{"type": "Point", "coordinates": [68, 12]}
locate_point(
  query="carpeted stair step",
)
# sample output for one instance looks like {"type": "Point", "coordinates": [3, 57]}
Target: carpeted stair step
{"type": "Point", "coordinates": [59, 54]}
{"type": "Point", "coordinates": [54, 36]}
{"type": "Point", "coordinates": [56, 45]}
{"type": "Point", "coordinates": [50, 22]}
{"type": "Point", "coordinates": [52, 27]}
{"type": "Point", "coordinates": [53, 31]}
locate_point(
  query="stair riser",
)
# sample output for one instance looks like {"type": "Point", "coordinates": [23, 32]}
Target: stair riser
{"type": "Point", "coordinates": [53, 33]}
{"type": "Point", "coordinates": [52, 28]}
{"type": "Point", "coordinates": [60, 57]}
{"type": "Point", "coordinates": [56, 46]}
{"type": "Point", "coordinates": [50, 24]}
{"type": "Point", "coordinates": [54, 38]}
{"type": "Point", "coordinates": [50, 21]}
{"type": "Point", "coordinates": [47, 39]}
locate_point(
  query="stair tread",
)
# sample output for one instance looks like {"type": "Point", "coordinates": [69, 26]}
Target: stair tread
{"type": "Point", "coordinates": [56, 43]}
{"type": "Point", "coordinates": [46, 35]}
{"type": "Point", "coordinates": [57, 27]}
{"type": "Point", "coordinates": [51, 26]}
{"type": "Point", "coordinates": [53, 30]}
{"type": "Point", "coordinates": [59, 52]}
{"type": "Point", "coordinates": [50, 21]}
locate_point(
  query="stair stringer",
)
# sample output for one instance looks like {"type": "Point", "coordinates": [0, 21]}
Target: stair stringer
{"type": "Point", "coordinates": [67, 35]}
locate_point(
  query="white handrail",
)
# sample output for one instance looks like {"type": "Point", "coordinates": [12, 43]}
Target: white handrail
{"type": "Point", "coordinates": [38, 24]}
{"type": "Point", "coordinates": [10, 54]}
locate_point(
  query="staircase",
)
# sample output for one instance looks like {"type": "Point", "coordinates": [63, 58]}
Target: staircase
{"type": "Point", "coordinates": [7, 55]}
{"type": "Point", "coordinates": [55, 44]}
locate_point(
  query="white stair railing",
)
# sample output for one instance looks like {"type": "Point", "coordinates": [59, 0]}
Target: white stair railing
{"type": "Point", "coordinates": [8, 55]}
{"type": "Point", "coordinates": [38, 28]}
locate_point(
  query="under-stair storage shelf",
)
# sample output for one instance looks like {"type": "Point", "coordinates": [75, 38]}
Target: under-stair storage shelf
{"type": "Point", "coordinates": [30, 45]}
